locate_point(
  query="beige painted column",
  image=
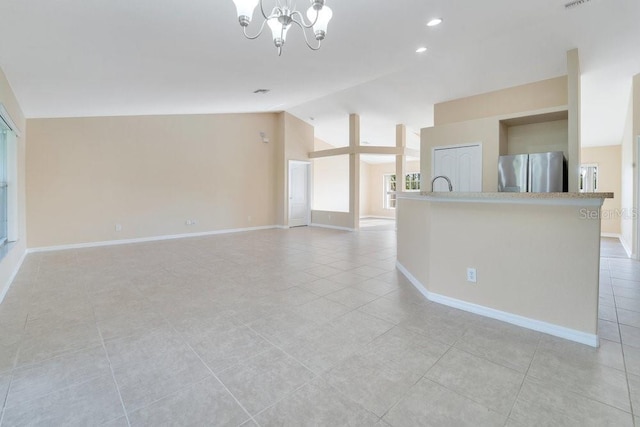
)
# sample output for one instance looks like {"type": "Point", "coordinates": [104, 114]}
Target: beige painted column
{"type": "Point", "coordinates": [573, 68]}
{"type": "Point", "coordinates": [401, 159]}
{"type": "Point", "coordinates": [354, 172]}
{"type": "Point", "coordinates": [635, 243]}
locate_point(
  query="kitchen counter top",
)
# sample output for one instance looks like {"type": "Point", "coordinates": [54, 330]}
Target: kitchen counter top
{"type": "Point", "coordinates": [590, 199]}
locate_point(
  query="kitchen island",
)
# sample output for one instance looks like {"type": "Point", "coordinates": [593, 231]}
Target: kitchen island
{"type": "Point", "coordinates": [535, 256]}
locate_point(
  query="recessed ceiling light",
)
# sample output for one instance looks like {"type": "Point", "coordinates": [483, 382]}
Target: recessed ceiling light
{"type": "Point", "coordinates": [421, 49]}
{"type": "Point", "coordinates": [434, 22]}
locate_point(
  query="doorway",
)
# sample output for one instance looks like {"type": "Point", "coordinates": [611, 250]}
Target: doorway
{"type": "Point", "coordinates": [299, 193]}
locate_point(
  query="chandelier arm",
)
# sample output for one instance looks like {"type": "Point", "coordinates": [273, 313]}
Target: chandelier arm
{"type": "Point", "coordinates": [262, 10]}
{"type": "Point", "coordinates": [306, 39]}
{"type": "Point", "coordinates": [244, 29]}
{"type": "Point", "coordinates": [302, 20]}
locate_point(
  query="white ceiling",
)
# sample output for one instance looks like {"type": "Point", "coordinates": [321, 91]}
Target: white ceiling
{"type": "Point", "coordinates": [122, 57]}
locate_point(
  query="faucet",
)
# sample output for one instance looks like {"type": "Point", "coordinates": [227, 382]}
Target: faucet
{"type": "Point", "coordinates": [441, 176]}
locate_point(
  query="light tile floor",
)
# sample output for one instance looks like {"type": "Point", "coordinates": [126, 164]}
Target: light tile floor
{"type": "Point", "coordinates": [304, 327]}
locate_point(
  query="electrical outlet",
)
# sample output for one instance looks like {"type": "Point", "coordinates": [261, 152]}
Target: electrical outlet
{"type": "Point", "coordinates": [118, 227]}
{"type": "Point", "coordinates": [188, 222]}
{"type": "Point", "coordinates": [249, 218]}
{"type": "Point", "coordinates": [472, 275]}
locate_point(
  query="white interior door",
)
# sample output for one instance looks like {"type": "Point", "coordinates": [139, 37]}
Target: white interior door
{"type": "Point", "coordinates": [299, 200]}
{"type": "Point", "coordinates": [445, 163]}
{"type": "Point", "coordinates": [462, 165]}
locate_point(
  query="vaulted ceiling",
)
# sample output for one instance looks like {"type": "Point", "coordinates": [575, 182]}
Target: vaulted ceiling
{"type": "Point", "coordinates": [122, 57]}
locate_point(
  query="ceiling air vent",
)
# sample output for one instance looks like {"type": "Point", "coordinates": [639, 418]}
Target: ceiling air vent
{"type": "Point", "coordinates": [262, 91]}
{"type": "Point", "coordinates": [575, 3]}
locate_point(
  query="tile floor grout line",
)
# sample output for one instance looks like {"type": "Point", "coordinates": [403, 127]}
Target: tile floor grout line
{"type": "Point", "coordinates": [624, 360]}
{"type": "Point", "coordinates": [115, 382]}
{"type": "Point", "coordinates": [626, 376]}
{"type": "Point", "coordinates": [524, 378]}
{"type": "Point", "coordinates": [316, 376]}
{"type": "Point", "coordinates": [408, 390]}
{"type": "Point", "coordinates": [185, 342]}
{"type": "Point", "coordinates": [444, 386]}
{"type": "Point", "coordinates": [287, 395]}
{"type": "Point", "coordinates": [283, 351]}
{"type": "Point", "coordinates": [223, 385]}
{"type": "Point", "coordinates": [5, 400]}
{"type": "Point", "coordinates": [104, 348]}
{"type": "Point", "coordinates": [13, 370]}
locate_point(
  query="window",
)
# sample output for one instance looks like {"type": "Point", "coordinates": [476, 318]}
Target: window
{"type": "Point", "coordinates": [389, 191]}
{"type": "Point", "coordinates": [4, 131]}
{"type": "Point", "coordinates": [8, 179]}
{"type": "Point", "coordinates": [411, 183]}
{"type": "Point", "coordinates": [588, 178]}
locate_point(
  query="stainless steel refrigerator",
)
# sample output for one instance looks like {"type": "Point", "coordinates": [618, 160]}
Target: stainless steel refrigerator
{"type": "Point", "coordinates": [534, 173]}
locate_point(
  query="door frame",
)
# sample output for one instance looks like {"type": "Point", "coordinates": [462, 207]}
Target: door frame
{"type": "Point", "coordinates": [307, 163]}
{"type": "Point", "coordinates": [636, 206]}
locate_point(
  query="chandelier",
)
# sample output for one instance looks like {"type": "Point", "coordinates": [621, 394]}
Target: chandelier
{"type": "Point", "coordinates": [283, 16]}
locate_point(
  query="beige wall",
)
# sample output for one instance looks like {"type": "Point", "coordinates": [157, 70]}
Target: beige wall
{"type": "Point", "coordinates": [529, 269]}
{"type": "Point", "coordinates": [341, 220]}
{"type": "Point", "coordinates": [529, 97]}
{"type": "Point", "coordinates": [477, 119]}
{"type": "Point", "coordinates": [331, 184]}
{"type": "Point", "coordinates": [365, 185]}
{"type": "Point", "coordinates": [609, 161]}
{"type": "Point", "coordinates": [538, 138]}
{"type": "Point", "coordinates": [12, 259]}
{"type": "Point", "coordinates": [330, 181]}
{"type": "Point", "coordinates": [149, 174]}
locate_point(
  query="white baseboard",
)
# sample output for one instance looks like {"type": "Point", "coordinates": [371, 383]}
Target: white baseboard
{"type": "Point", "coordinates": [9, 282]}
{"type": "Point", "coordinates": [333, 227]}
{"type": "Point", "coordinates": [378, 217]}
{"type": "Point", "coordinates": [624, 244]}
{"type": "Point", "coordinates": [146, 239]}
{"type": "Point", "coordinates": [525, 322]}
{"type": "Point", "coordinates": [612, 235]}
{"type": "Point", "coordinates": [627, 247]}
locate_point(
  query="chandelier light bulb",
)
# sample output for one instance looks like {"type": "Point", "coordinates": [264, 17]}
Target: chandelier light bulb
{"type": "Point", "coordinates": [324, 15]}
{"type": "Point", "coordinates": [245, 10]}
{"type": "Point", "coordinates": [278, 30]}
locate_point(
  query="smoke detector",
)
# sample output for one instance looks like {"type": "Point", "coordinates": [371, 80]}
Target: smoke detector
{"type": "Point", "coordinates": [575, 3]}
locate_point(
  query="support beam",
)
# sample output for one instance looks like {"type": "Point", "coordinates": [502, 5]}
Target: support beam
{"type": "Point", "coordinates": [329, 153]}
{"type": "Point", "coordinates": [364, 149]}
{"type": "Point", "coordinates": [354, 171]}
{"type": "Point", "coordinates": [401, 159]}
{"type": "Point", "coordinates": [573, 68]}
